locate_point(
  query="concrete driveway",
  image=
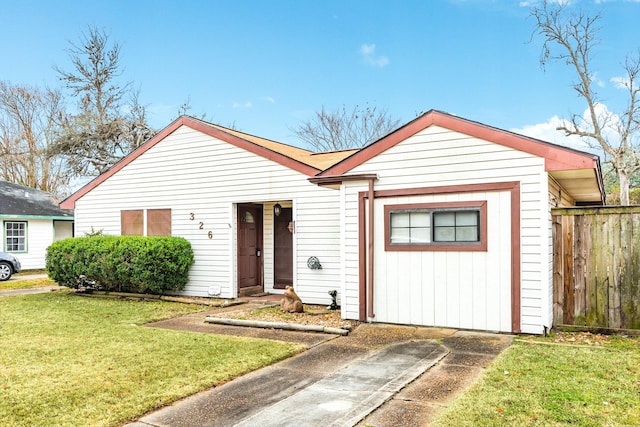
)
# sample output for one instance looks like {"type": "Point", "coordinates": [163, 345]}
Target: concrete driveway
{"type": "Point", "coordinates": [378, 375]}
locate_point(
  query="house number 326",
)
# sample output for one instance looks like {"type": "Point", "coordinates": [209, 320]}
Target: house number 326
{"type": "Point", "coordinates": [192, 216]}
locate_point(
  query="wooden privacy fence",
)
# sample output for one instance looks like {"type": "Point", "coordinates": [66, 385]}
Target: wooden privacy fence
{"type": "Point", "coordinates": [596, 267]}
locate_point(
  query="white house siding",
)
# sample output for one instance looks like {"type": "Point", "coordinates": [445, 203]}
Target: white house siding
{"type": "Point", "coordinates": [190, 172]}
{"type": "Point", "coordinates": [39, 237]}
{"type": "Point", "coordinates": [439, 157]}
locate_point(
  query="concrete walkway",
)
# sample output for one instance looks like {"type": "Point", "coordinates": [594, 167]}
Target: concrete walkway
{"type": "Point", "coordinates": [379, 375]}
{"type": "Point", "coordinates": [27, 291]}
{"type": "Point", "coordinates": [28, 277]}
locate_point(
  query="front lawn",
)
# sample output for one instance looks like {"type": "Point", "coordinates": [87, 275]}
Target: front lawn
{"type": "Point", "coordinates": [71, 360]}
{"type": "Point", "coordinates": [536, 382]}
{"type": "Point", "coordinates": [25, 284]}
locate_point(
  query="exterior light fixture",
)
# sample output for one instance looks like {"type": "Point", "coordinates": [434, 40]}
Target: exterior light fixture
{"type": "Point", "coordinates": [277, 209]}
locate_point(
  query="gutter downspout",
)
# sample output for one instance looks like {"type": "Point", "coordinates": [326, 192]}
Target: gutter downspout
{"type": "Point", "coordinates": [370, 252]}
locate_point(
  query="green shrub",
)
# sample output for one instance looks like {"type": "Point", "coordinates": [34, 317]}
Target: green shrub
{"type": "Point", "coordinates": [121, 263]}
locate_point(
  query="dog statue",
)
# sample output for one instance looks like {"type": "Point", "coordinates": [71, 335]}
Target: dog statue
{"type": "Point", "coordinates": [291, 302]}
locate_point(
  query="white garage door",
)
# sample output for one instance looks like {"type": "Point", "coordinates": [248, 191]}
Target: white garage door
{"type": "Point", "coordinates": [438, 281]}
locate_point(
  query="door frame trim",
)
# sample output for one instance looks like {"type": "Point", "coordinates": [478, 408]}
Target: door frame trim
{"type": "Point", "coordinates": [260, 232]}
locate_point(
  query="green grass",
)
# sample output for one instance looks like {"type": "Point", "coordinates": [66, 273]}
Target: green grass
{"type": "Point", "coordinates": [25, 284]}
{"type": "Point", "coordinates": [67, 360]}
{"type": "Point", "coordinates": [537, 384]}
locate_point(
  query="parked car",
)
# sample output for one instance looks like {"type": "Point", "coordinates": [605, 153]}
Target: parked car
{"type": "Point", "coordinates": [9, 265]}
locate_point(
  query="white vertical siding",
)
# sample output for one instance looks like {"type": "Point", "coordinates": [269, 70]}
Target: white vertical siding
{"type": "Point", "coordinates": [470, 290]}
{"type": "Point", "coordinates": [439, 157]}
{"type": "Point", "coordinates": [190, 172]}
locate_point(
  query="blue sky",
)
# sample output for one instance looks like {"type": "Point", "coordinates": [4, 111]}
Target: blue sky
{"type": "Point", "coordinates": [265, 66]}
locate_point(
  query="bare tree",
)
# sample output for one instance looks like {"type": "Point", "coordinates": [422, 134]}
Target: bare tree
{"type": "Point", "coordinates": [345, 128]}
{"type": "Point", "coordinates": [570, 37]}
{"type": "Point", "coordinates": [28, 118]}
{"type": "Point", "coordinates": [105, 127]}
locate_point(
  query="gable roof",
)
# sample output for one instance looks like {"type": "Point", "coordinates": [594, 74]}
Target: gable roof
{"type": "Point", "coordinates": [20, 201]}
{"type": "Point", "coordinates": [298, 159]}
{"type": "Point", "coordinates": [575, 170]}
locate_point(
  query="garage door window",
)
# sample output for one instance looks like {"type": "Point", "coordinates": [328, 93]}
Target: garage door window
{"type": "Point", "coordinates": [456, 226]}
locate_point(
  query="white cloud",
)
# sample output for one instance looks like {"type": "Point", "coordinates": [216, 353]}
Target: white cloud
{"type": "Point", "coordinates": [530, 3]}
{"type": "Point", "coordinates": [620, 82]}
{"type": "Point", "coordinates": [547, 131]}
{"type": "Point", "coordinates": [268, 99]}
{"type": "Point", "coordinates": [368, 52]}
{"type": "Point", "coordinates": [368, 49]}
{"type": "Point", "coordinates": [246, 104]}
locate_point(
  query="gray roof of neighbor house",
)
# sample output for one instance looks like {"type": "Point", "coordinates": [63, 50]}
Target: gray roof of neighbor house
{"type": "Point", "coordinates": [18, 200]}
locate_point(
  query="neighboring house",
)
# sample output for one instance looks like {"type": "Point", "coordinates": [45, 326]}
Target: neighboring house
{"type": "Point", "coordinates": [444, 222]}
{"type": "Point", "coordinates": [31, 221]}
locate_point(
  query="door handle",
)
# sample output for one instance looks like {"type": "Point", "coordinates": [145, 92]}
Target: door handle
{"type": "Point", "coordinates": [258, 251]}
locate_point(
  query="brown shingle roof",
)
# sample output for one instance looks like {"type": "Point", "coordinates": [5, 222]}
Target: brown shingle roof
{"type": "Point", "coordinates": [317, 160]}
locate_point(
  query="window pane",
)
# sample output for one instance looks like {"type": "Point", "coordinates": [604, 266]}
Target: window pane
{"type": "Point", "coordinates": [247, 218]}
{"type": "Point", "coordinates": [400, 236]}
{"type": "Point", "coordinates": [435, 226]}
{"type": "Point", "coordinates": [441, 219]}
{"type": "Point", "coordinates": [420, 219]}
{"type": "Point", "coordinates": [399, 219]}
{"type": "Point", "coordinates": [420, 236]}
{"type": "Point", "coordinates": [159, 222]}
{"type": "Point", "coordinates": [131, 223]}
{"type": "Point", "coordinates": [467, 234]}
{"type": "Point", "coordinates": [444, 234]}
{"type": "Point", "coordinates": [466, 218]}
{"type": "Point", "coordinates": [15, 236]}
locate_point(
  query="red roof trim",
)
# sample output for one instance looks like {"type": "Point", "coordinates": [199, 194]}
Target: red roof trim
{"type": "Point", "coordinates": [70, 202]}
{"type": "Point", "coordinates": [339, 179]}
{"type": "Point", "coordinates": [556, 157]}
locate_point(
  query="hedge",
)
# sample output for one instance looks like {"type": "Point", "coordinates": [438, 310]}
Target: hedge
{"type": "Point", "coordinates": [136, 264]}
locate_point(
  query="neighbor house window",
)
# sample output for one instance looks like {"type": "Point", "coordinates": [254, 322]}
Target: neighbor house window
{"type": "Point", "coordinates": [451, 226]}
{"type": "Point", "coordinates": [158, 223]}
{"type": "Point", "coordinates": [15, 233]}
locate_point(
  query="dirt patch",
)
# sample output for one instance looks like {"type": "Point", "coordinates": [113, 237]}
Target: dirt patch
{"type": "Point", "coordinates": [312, 315]}
{"type": "Point", "coordinates": [581, 338]}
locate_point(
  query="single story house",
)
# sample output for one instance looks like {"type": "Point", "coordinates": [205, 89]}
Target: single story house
{"type": "Point", "coordinates": [443, 222]}
{"type": "Point", "coordinates": [31, 221]}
